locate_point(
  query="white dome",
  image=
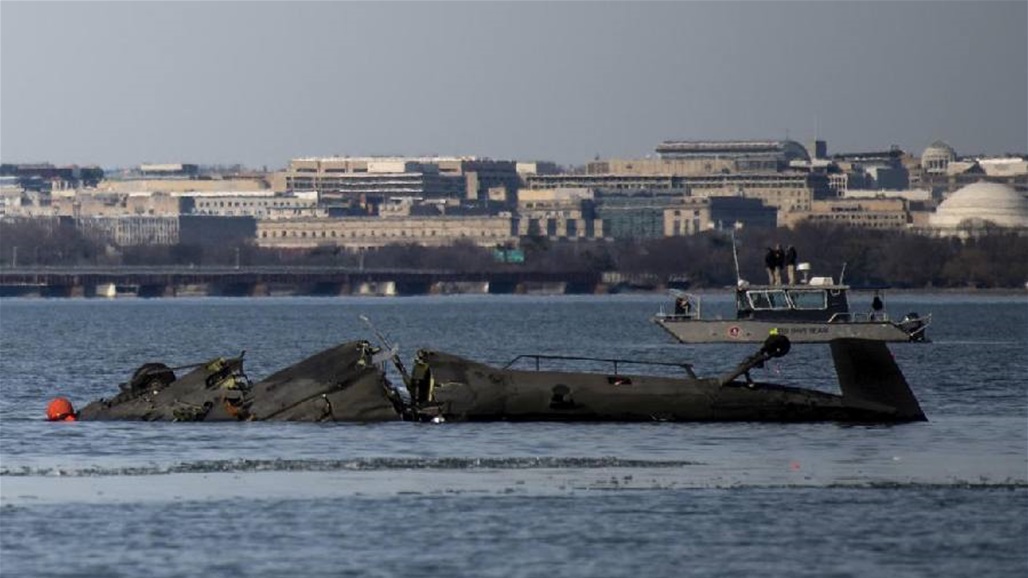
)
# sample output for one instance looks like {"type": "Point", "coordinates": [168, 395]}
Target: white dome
{"type": "Point", "coordinates": [939, 149]}
{"type": "Point", "coordinates": [980, 202]}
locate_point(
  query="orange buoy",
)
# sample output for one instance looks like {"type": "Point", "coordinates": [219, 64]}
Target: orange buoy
{"type": "Point", "coordinates": [60, 409]}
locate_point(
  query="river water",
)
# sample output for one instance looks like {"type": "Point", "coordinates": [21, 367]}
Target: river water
{"type": "Point", "coordinates": [944, 498]}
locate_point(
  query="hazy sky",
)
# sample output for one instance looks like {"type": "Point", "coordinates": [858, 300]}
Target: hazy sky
{"type": "Point", "coordinates": [258, 83]}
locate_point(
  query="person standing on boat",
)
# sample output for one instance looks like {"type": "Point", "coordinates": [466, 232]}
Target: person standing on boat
{"type": "Point", "coordinates": [790, 264]}
{"type": "Point", "coordinates": [778, 257]}
{"type": "Point", "coordinates": [769, 262]}
{"type": "Point", "coordinates": [779, 264]}
{"type": "Point", "coordinates": [877, 307]}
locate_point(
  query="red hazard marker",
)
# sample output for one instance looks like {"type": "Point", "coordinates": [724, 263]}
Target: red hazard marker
{"type": "Point", "coordinates": [60, 409]}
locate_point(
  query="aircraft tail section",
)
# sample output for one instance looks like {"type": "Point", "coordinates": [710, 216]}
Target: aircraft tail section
{"type": "Point", "coordinates": [869, 377]}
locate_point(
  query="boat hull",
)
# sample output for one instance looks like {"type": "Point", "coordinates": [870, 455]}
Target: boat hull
{"type": "Point", "coordinates": [688, 330]}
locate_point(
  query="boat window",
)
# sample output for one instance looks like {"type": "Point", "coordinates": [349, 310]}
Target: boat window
{"type": "Point", "coordinates": [763, 300]}
{"type": "Point", "coordinates": [809, 299]}
{"type": "Point", "coordinates": [758, 300]}
{"type": "Point", "coordinates": [778, 299]}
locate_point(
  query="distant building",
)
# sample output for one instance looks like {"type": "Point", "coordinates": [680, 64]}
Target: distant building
{"type": "Point", "coordinates": [209, 231]}
{"type": "Point", "coordinates": [45, 177]}
{"type": "Point", "coordinates": [169, 170]}
{"type": "Point", "coordinates": [256, 204]}
{"type": "Point", "coordinates": [978, 207]}
{"type": "Point", "coordinates": [365, 232]}
{"type": "Point", "coordinates": [936, 158]}
{"type": "Point", "coordinates": [536, 168]}
{"type": "Point", "coordinates": [378, 178]}
{"type": "Point", "coordinates": [696, 215]}
{"type": "Point", "coordinates": [910, 195]}
{"type": "Point", "coordinates": [184, 185]}
{"type": "Point", "coordinates": [943, 172]}
{"type": "Point", "coordinates": [786, 191]}
{"type": "Point", "coordinates": [876, 213]}
{"type": "Point", "coordinates": [752, 155]}
{"type": "Point", "coordinates": [137, 230]}
{"type": "Point", "coordinates": [558, 214]}
{"type": "Point", "coordinates": [635, 216]}
{"type": "Point", "coordinates": [881, 170]}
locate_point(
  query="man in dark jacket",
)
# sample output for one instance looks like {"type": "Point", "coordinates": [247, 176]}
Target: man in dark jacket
{"type": "Point", "coordinates": [790, 264]}
{"type": "Point", "coordinates": [779, 258]}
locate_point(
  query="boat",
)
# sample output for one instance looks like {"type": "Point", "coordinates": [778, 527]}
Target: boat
{"type": "Point", "coordinates": [807, 313]}
{"type": "Point", "coordinates": [806, 310]}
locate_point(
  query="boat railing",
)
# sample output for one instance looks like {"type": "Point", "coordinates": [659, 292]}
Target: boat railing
{"type": "Point", "coordinates": [615, 362]}
{"type": "Point", "coordinates": [853, 317]}
{"type": "Point", "coordinates": [843, 317]}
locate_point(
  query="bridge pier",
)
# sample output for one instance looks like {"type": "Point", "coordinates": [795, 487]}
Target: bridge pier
{"type": "Point", "coordinates": [377, 288]}
{"type": "Point", "coordinates": [458, 288]}
{"type": "Point", "coordinates": [192, 290]}
{"type": "Point", "coordinates": [541, 288]}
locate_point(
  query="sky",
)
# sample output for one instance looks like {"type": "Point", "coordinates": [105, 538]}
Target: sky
{"type": "Point", "coordinates": [117, 84]}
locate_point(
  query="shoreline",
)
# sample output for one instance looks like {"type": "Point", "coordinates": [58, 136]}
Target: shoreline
{"type": "Point", "coordinates": [299, 293]}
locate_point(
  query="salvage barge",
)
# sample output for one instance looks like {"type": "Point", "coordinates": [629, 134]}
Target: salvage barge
{"type": "Point", "coordinates": [348, 383]}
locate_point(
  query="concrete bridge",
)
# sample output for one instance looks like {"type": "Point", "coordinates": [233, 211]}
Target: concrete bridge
{"type": "Point", "coordinates": [270, 281]}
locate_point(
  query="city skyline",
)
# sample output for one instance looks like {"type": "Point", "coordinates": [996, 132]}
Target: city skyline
{"type": "Point", "coordinates": [259, 83]}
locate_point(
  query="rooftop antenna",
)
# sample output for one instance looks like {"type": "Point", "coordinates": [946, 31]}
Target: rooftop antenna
{"type": "Point", "coordinates": [735, 256]}
{"type": "Point", "coordinates": [842, 274]}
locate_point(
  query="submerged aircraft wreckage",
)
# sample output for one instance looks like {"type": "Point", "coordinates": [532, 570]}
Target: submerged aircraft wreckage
{"type": "Point", "coordinates": [348, 382]}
